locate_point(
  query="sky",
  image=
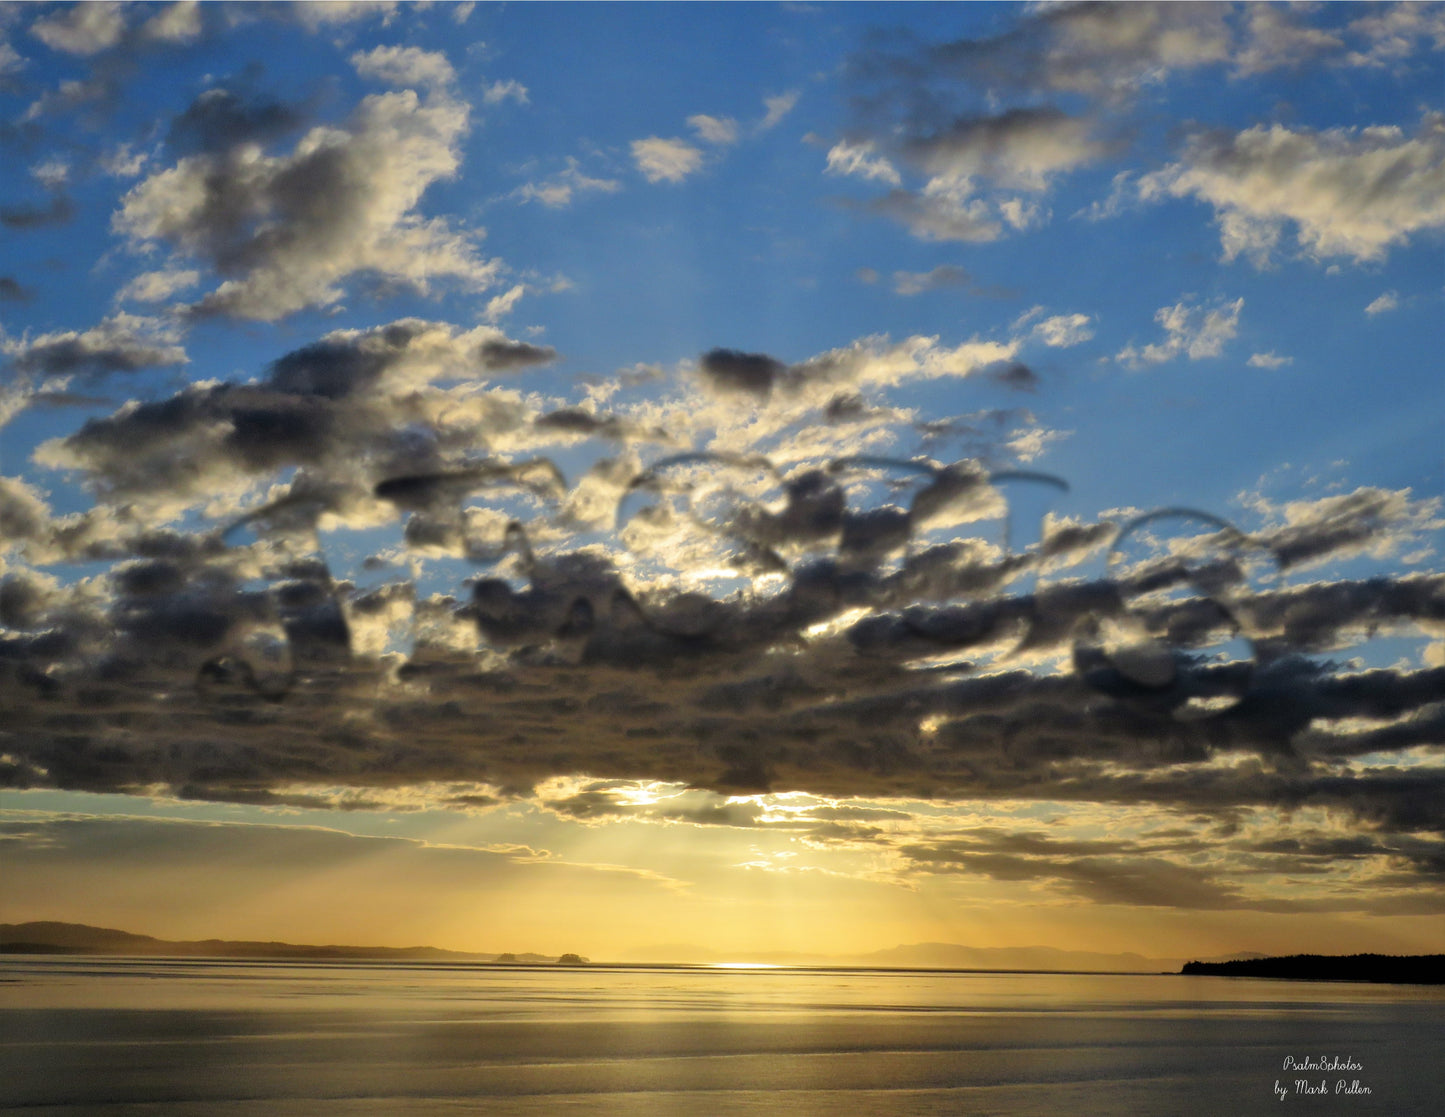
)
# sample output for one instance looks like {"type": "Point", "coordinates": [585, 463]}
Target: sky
{"type": "Point", "coordinates": [725, 478]}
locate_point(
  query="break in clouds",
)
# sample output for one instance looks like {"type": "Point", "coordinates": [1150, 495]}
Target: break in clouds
{"type": "Point", "coordinates": [397, 558]}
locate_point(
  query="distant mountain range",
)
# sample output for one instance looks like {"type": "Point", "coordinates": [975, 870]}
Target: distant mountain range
{"type": "Point", "coordinates": [77, 938]}
{"type": "Point", "coordinates": [935, 956]}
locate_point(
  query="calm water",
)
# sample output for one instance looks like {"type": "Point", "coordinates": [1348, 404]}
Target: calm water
{"type": "Point", "coordinates": [219, 1038]}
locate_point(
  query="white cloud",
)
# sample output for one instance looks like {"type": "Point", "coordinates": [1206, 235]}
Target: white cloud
{"type": "Point", "coordinates": [1349, 192]}
{"type": "Point", "coordinates": [503, 304]}
{"type": "Point", "coordinates": [1269, 360]}
{"type": "Point", "coordinates": [158, 286]}
{"type": "Point", "coordinates": [715, 130]}
{"type": "Point", "coordinates": [662, 160]}
{"type": "Point", "coordinates": [500, 91]}
{"type": "Point", "coordinates": [1020, 215]}
{"type": "Point", "coordinates": [405, 66]}
{"type": "Point", "coordinates": [52, 174]}
{"type": "Point", "coordinates": [1020, 149]}
{"type": "Point", "coordinates": [859, 161]}
{"type": "Point", "coordinates": [1101, 49]}
{"type": "Point", "coordinates": [10, 59]}
{"type": "Point", "coordinates": [1277, 37]}
{"type": "Point", "coordinates": [315, 14]}
{"type": "Point", "coordinates": [1393, 32]}
{"type": "Point", "coordinates": [1390, 300]}
{"type": "Point", "coordinates": [1064, 330]}
{"type": "Point", "coordinates": [557, 192]}
{"type": "Point", "coordinates": [777, 108]}
{"type": "Point", "coordinates": [124, 161]}
{"type": "Point", "coordinates": [1189, 330]}
{"type": "Point", "coordinates": [969, 164]}
{"type": "Point", "coordinates": [178, 23]}
{"type": "Point", "coordinates": [82, 28]}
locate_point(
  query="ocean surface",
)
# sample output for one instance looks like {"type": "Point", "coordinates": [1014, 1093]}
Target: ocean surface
{"type": "Point", "coordinates": [218, 1038]}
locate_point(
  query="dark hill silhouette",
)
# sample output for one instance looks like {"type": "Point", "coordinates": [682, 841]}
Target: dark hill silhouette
{"type": "Point", "coordinates": [1405, 969]}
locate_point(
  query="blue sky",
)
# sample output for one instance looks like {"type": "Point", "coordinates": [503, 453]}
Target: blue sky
{"type": "Point", "coordinates": [301, 305]}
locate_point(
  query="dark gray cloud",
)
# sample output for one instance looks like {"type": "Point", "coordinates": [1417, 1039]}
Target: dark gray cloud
{"type": "Point", "coordinates": [505, 355]}
{"type": "Point", "coordinates": [344, 407]}
{"type": "Point", "coordinates": [576, 421]}
{"type": "Point", "coordinates": [220, 119]}
{"type": "Point", "coordinates": [1016, 375]}
{"type": "Point", "coordinates": [121, 343]}
{"type": "Point", "coordinates": [57, 211]}
{"type": "Point", "coordinates": [879, 666]}
{"type": "Point", "coordinates": [12, 290]}
{"type": "Point", "coordinates": [732, 371]}
{"type": "Point", "coordinates": [872, 639]}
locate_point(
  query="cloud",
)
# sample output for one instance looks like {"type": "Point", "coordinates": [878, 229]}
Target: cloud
{"type": "Point", "coordinates": [558, 191]}
{"type": "Point", "coordinates": [82, 29]}
{"type": "Point", "coordinates": [1016, 375]}
{"type": "Point", "coordinates": [158, 286]}
{"type": "Point", "coordinates": [256, 220]}
{"type": "Point", "coordinates": [503, 304]}
{"type": "Point", "coordinates": [57, 211]}
{"type": "Point", "coordinates": [316, 14]}
{"type": "Point", "coordinates": [825, 684]}
{"type": "Point", "coordinates": [777, 108]}
{"type": "Point", "coordinates": [405, 66]}
{"type": "Point", "coordinates": [1278, 37]}
{"type": "Point", "coordinates": [1102, 51]}
{"type": "Point", "coordinates": [177, 23]}
{"type": "Point", "coordinates": [124, 162]}
{"type": "Point", "coordinates": [805, 603]}
{"type": "Point", "coordinates": [1268, 360]}
{"type": "Point", "coordinates": [1346, 191]}
{"type": "Point", "coordinates": [121, 343]}
{"type": "Point", "coordinates": [974, 165]}
{"type": "Point", "coordinates": [501, 91]}
{"type": "Point", "coordinates": [858, 160]}
{"type": "Point", "coordinates": [662, 160]}
{"type": "Point", "coordinates": [1385, 303]}
{"type": "Point", "coordinates": [1019, 148]}
{"type": "Point", "coordinates": [219, 120]}
{"type": "Point", "coordinates": [1062, 331]}
{"type": "Point", "coordinates": [338, 408]}
{"type": "Point", "coordinates": [1394, 32]}
{"type": "Point", "coordinates": [732, 371]}
{"type": "Point", "coordinates": [938, 214]}
{"type": "Point", "coordinates": [714, 130]}
{"type": "Point", "coordinates": [1367, 521]}
{"type": "Point", "coordinates": [13, 291]}
{"type": "Point", "coordinates": [1190, 330]}
{"type": "Point", "coordinates": [915, 283]}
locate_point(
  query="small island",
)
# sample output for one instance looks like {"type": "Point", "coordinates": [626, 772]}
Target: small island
{"type": "Point", "coordinates": [1400, 969]}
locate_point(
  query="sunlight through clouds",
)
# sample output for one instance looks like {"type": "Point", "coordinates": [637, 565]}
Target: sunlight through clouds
{"type": "Point", "coordinates": [762, 478]}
